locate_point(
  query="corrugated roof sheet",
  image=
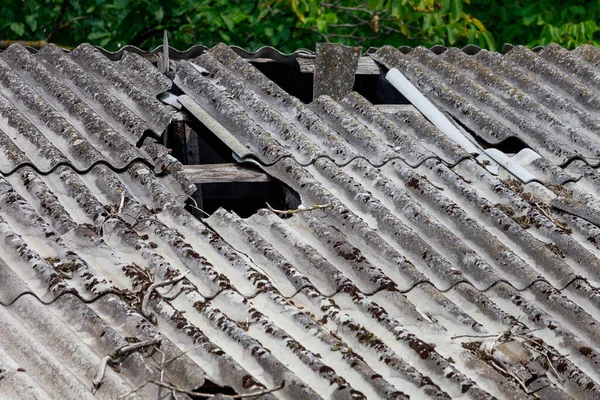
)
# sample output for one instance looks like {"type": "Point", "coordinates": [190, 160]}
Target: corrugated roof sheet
{"type": "Point", "coordinates": [69, 127]}
{"type": "Point", "coordinates": [418, 242]}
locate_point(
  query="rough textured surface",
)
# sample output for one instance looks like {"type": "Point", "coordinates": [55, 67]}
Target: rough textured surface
{"type": "Point", "coordinates": [548, 99]}
{"type": "Point", "coordinates": [419, 243]}
{"type": "Point", "coordinates": [73, 187]}
{"type": "Point", "coordinates": [335, 66]}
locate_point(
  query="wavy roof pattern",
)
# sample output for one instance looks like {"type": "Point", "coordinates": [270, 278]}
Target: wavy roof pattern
{"type": "Point", "coordinates": [423, 271]}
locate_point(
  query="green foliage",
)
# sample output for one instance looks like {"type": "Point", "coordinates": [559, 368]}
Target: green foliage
{"type": "Point", "coordinates": [292, 24]}
{"type": "Point", "coordinates": [537, 23]}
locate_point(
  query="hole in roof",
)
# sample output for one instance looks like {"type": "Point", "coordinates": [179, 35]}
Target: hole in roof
{"type": "Point", "coordinates": [378, 90]}
{"type": "Point", "coordinates": [288, 77]}
{"type": "Point", "coordinates": [246, 198]}
{"type": "Point", "coordinates": [192, 143]}
{"type": "Point", "coordinates": [209, 387]}
{"type": "Point", "coordinates": [511, 145]}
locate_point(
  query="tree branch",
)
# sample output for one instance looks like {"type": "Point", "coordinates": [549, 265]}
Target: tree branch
{"type": "Point", "coordinates": [58, 21]}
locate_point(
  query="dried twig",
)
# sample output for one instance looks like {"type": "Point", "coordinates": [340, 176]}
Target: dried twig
{"type": "Point", "coordinates": [147, 313]}
{"type": "Point", "coordinates": [117, 356]}
{"type": "Point", "coordinates": [122, 203]}
{"type": "Point", "coordinates": [100, 374]}
{"type": "Point", "coordinates": [137, 389]}
{"type": "Point", "coordinates": [259, 393]}
{"type": "Point", "coordinates": [528, 342]}
{"type": "Point", "coordinates": [514, 376]}
{"type": "Point", "coordinates": [547, 215]}
{"type": "Point", "coordinates": [473, 336]}
{"type": "Point", "coordinates": [554, 371]}
{"type": "Point", "coordinates": [167, 363]}
{"type": "Point", "coordinates": [195, 207]}
{"type": "Point", "coordinates": [299, 209]}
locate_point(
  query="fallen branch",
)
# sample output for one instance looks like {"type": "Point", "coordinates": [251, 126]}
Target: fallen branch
{"type": "Point", "coordinates": [553, 220]}
{"type": "Point", "coordinates": [147, 313]}
{"type": "Point", "coordinates": [528, 341]}
{"type": "Point", "coordinates": [100, 374]}
{"type": "Point", "coordinates": [195, 206]}
{"type": "Point", "coordinates": [300, 209]}
{"type": "Point", "coordinates": [117, 356]}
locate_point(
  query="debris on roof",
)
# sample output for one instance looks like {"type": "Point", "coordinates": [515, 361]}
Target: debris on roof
{"type": "Point", "coordinates": [412, 268]}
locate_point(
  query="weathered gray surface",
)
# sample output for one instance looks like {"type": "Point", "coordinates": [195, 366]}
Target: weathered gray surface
{"type": "Point", "coordinates": [419, 242]}
{"type": "Point", "coordinates": [335, 67]}
{"type": "Point", "coordinates": [366, 65]}
{"type": "Point", "coordinates": [221, 173]}
{"type": "Point", "coordinates": [407, 206]}
{"type": "Point", "coordinates": [548, 99]}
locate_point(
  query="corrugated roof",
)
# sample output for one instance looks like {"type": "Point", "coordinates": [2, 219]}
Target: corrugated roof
{"type": "Point", "coordinates": [420, 242]}
{"type": "Point", "coordinates": [68, 132]}
{"type": "Point", "coordinates": [414, 241]}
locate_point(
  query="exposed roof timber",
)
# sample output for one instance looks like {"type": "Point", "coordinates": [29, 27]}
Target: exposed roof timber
{"type": "Point", "coordinates": [366, 65]}
{"type": "Point", "coordinates": [223, 173]}
{"type": "Point", "coordinates": [408, 262]}
{"type": "Point", "coordinates": [215, 126]}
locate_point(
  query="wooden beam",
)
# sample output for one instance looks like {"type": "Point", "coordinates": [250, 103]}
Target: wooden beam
{"type": "Point", "coordinates": [181, 116]}
{"type": "Point", "coordinates": [260, 60]}
{"type": "Point", "coordinates": [223, 173]}
{"type": "Point", "coordinates": [366, 66]}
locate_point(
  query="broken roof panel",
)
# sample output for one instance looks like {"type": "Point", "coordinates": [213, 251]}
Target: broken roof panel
{"type": "Point", "coordinates": [406, 280]}
{"type": "Point", "coordinates": [415, 230]}
{"type": "Point", "coordinates": [546, 99]}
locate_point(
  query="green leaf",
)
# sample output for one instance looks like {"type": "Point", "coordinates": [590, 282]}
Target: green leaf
{"type": "Point", "coordinates": [445, 7]}
{"type": "Point", "coordinates": [590, 27]}
{"type": "Point", "coordinates": [228, 21]}
{"type": "Point", "coordinates": [451, 34]}
{"type": "Point", "coordinates": [426, 22]}
{"type": "Point", "coordinates": [395, 9]}
{"type": "Point", "coordinates": [18, 28]}
{"type": "Point", "coordinates": [156, 9]}
{"type": "Point", "coordinates": [529, 20]}
{"type": "Point", "coordinates": [577, 10]}
{"type": "Point", "coordinates": [489, 40]}
{"type": "Point", "coordinates": [268, 32]}
{"type": "Point", "coordinates": [31, 21]}
{"type": "Point", "coordinates": [456, 10]}
{"type": "Point", "coordinates": [225, 37]}
{"type": "Point", "coordinates": [331, 18]}
{"type": "Point", "coordinates": [159, 14]}
{"type": "Point", "coordinates": [321, 25]}
{"type": "Point", "coordinates": [96, 35]}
